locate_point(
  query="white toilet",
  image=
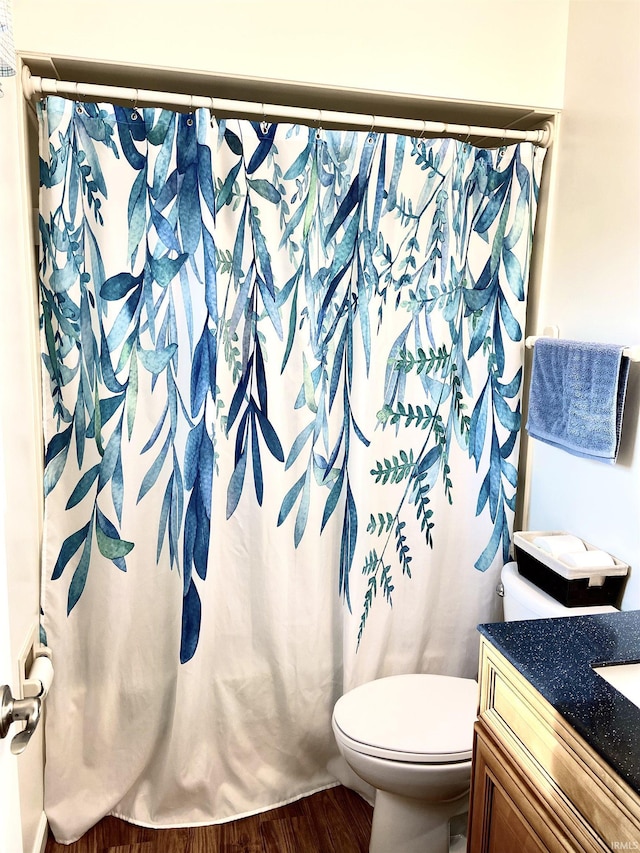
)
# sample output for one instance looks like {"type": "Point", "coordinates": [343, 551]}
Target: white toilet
{"type": "Point", "coordinates": [411, 738]}
{"type": "Point", "coordinates": [524, 600]}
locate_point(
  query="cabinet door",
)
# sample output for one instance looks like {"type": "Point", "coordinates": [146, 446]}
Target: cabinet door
{"type": "Point", "coordinates": [506, 830]}
{"type": "Point", "coordinates": [507, 814]}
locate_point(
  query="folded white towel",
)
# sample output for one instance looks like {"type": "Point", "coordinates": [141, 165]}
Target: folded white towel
{"type": "Point", "coordinates": [562, 543]}
{"type": "Point", "coordinates": [587, 560]}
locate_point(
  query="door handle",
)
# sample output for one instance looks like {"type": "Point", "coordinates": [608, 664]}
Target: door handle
{"type": "Point", "coordinates": [16, 711]}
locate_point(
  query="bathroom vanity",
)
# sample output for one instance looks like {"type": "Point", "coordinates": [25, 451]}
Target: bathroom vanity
{"type": "Point", "coordinates": [556, 746]}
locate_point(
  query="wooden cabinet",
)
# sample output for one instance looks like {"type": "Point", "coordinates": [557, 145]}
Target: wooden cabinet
{"type": "Point", "coordinates": [501, 802]}
{"type": "Point", "coordinates": [537, 786]}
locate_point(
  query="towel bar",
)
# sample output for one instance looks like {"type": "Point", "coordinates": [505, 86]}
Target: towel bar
{"type": "Point", "coordinates": [632, 353]}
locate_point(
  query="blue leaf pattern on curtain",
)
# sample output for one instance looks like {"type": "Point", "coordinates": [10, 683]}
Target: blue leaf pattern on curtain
{"type": "Point", "coordinates": [243, 264]}
{"type": "Point", "coordinates": [281, 386]}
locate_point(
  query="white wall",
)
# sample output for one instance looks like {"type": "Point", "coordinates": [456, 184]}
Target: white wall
{"type": "Point", "coordinates": [503, 51]}
{"type": "Point", "coordinates": [591, 285]}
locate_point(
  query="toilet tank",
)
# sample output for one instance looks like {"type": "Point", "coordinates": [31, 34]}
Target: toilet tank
{"type": "Point", "coordinates": [524, 600]}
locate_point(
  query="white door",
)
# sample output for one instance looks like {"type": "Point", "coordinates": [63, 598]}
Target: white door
{"type": "Point", "coordinates": [10, 822]}
{"type": "Point", "coordinates": [22, 822]}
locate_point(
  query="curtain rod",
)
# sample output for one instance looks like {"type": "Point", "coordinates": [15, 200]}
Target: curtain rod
{"type": "Point", "coordinates": [34, 87]}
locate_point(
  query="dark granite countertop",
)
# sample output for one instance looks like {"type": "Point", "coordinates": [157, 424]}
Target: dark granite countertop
{"type": "Point", "coordinates": [557, 655]}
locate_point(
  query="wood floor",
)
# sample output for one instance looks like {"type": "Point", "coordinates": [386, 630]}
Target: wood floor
{"type": "Point", "coordinates": [333, 821]}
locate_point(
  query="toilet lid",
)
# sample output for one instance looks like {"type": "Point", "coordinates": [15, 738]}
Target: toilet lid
{"type": "Point", "coordinates": [417, 718]}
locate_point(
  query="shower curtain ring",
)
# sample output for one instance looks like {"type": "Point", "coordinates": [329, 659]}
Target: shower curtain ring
{"type": "Point", "coordinates": [190, 118]}
{"type": "Point", "coordinates": [424, 128]}
{"type": "Point", "coordinates": [370, 137]}
{"type": "Point", "coordinates": [76, 98]}
{"type": "Point", "coordinates": [319, 125]}
{"type": "Point", "coordinates": [134, 114]}
{"type": "Point", "coordinates": [264, 124]}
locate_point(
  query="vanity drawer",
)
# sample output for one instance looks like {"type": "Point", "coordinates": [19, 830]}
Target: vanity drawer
{"type": "Point", "coordinates": [563, 767]}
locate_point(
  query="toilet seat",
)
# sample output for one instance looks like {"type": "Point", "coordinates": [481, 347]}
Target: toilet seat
{"type": "Point", "coordinates": [423, 719]}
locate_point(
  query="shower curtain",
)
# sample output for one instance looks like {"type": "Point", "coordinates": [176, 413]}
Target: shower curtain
{"type": "Point", "coordinates": [281, 386]}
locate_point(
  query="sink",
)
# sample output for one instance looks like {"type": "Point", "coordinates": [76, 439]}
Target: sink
{"type": "Point", "coordinates": [625, 677]}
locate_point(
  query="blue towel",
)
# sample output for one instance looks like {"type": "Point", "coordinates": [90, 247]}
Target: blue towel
{"type": "Point", "coordinates": [576, 398]}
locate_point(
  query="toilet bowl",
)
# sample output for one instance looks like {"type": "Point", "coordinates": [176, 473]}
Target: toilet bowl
{"type": "Point", "coordinates": [411, 738]}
